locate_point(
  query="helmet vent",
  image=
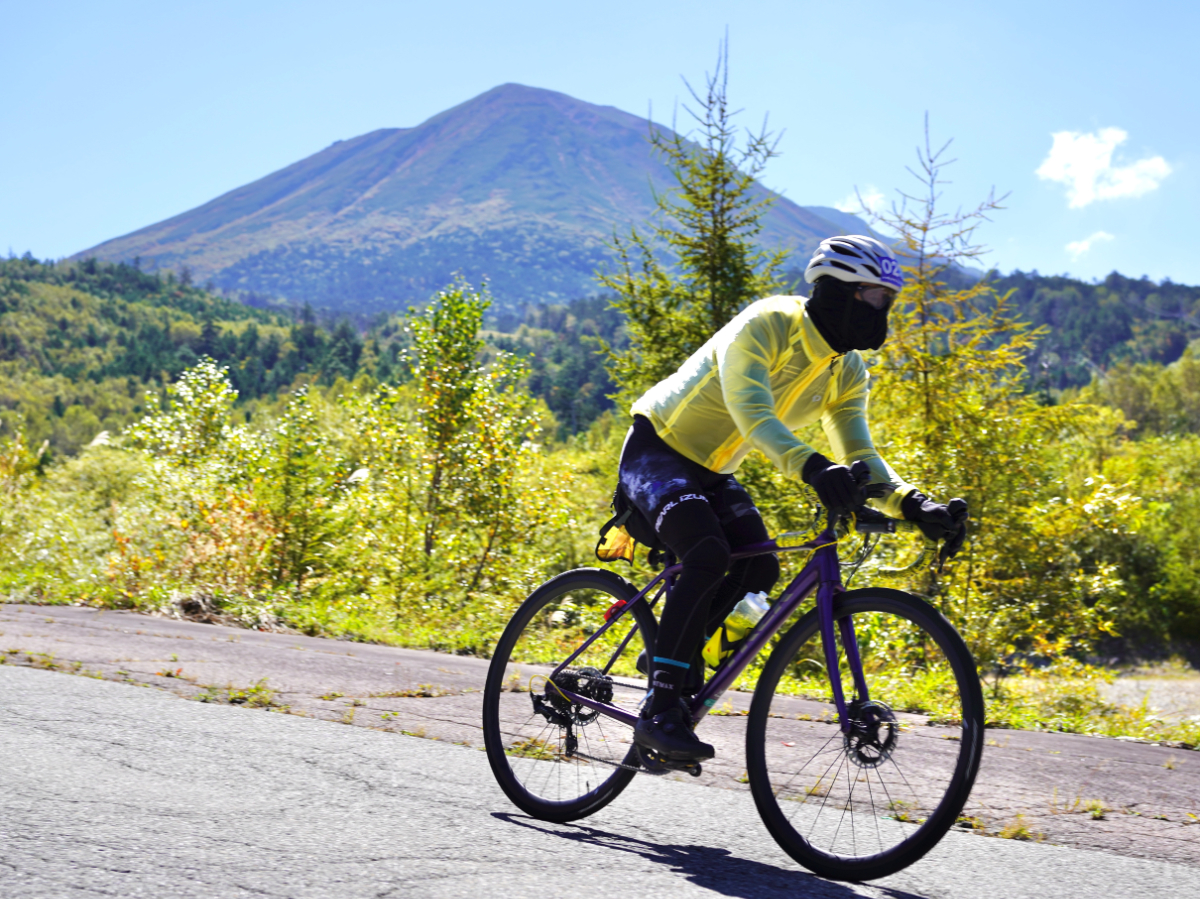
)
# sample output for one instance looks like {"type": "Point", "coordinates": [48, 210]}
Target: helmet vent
{"type": "Point", "coordinates": [855, 257]}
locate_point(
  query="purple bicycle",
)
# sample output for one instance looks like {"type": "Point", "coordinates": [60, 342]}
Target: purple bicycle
{"type": "Point", "coordinates": [864, 733]}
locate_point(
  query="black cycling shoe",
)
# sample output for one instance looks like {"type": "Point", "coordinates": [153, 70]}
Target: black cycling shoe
{"type": "Point", "coordinates": [670, 735]}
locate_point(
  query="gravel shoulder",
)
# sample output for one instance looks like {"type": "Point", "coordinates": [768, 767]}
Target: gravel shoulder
{"type": "Point", "coordinates": [1134, 799]}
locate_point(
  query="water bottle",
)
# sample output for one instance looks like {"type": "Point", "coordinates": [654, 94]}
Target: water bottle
{"type": "Point", "coordinates": [745, 615]}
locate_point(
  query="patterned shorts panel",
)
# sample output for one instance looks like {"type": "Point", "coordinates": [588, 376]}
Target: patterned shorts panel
{"type": "Point", "coordinates": [656, 479]}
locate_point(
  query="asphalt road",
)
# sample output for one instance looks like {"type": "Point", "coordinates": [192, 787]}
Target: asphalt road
{"type": "Point", "coordinates": [1045, 782]}
{"type": "Point", "coordinates": [110, 789]}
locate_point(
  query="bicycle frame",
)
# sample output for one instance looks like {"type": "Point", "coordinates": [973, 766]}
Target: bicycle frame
{"type": "Point", "coordinates": [822, 572]}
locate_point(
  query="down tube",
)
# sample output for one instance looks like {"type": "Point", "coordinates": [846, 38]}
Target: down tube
{"type": "Point", "coordinates": [799, 588]}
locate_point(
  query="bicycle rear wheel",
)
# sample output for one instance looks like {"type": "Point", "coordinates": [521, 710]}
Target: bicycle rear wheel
{"type": "Point", "coordinates": [863, 805]}
{"type": "Point", "coordinates": [556, 760]}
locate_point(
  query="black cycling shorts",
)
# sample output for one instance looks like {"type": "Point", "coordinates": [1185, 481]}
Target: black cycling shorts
{"type": "Point", "coordinates": [656, 479]}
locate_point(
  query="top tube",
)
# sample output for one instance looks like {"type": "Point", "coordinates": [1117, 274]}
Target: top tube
{"type": "Point", "coordinates": [865, 521]}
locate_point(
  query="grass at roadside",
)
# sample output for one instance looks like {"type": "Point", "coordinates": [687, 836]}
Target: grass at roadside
{"type": "Point", "coordinates": [1067, 697]}
{"type": "Point", "coordinates": [1074, 703]}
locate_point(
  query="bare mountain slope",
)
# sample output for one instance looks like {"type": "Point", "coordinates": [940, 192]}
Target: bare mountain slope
{"type": "Point", "coordinates": [519, 184]}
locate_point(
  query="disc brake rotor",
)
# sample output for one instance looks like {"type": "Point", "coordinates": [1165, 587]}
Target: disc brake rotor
{"type": "Point", "coordinates": [872, 735]}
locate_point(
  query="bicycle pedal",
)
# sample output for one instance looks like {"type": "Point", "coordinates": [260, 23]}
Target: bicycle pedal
{"type": "Point", "coordinates": [652, 762]}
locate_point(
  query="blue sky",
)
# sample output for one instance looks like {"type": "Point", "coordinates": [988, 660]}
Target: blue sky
{"type": "Point", "coordinates": [120, 114]}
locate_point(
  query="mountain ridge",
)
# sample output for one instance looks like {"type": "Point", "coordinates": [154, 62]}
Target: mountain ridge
{"type": "Point", "coordinates": [522, 185]}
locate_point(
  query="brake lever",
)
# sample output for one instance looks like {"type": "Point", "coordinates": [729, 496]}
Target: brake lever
{"type": "Point", "coordinates": [943, 556]}
{"type": "Point", "coordinates": [957, 508]}
{"type": "Point", "coordinates": [861, 472]}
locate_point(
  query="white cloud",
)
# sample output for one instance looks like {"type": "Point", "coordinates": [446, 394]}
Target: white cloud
{"type": "Point", "coordinates": [1078, 248]}
{"type": "Point", "coordinates": [871, 195]}
{"type": "Point", "coordinates": [1083, 162]}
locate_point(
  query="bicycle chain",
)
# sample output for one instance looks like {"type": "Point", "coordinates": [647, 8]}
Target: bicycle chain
{"type": "Point", "coordinates": [592, 758]}
{"type": "Point", "coordinates": [578, 672]}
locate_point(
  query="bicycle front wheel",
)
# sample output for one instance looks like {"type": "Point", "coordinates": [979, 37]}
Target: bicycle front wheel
{"type": "Point", "coordinates": [556, 760]}
{"type": "Point", "coordinates": [863, 804]}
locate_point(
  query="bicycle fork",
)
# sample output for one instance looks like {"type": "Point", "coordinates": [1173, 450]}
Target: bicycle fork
{"type": "Point", "coordinates": [827, 593]}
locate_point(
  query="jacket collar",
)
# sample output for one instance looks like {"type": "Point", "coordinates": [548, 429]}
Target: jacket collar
{"type": "Point", "coordinates": [815, 346]}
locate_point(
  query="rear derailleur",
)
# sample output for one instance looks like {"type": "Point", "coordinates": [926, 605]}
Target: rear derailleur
{"type": "Point", "coordinates": [556, 708]}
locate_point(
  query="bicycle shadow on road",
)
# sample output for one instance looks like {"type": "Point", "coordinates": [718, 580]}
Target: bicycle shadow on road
{"type": "Point", "coordinates": [710, 867]}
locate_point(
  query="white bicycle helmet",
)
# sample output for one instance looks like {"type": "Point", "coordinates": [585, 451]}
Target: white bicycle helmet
{"type": "Point", "coordinates": [855, 258]}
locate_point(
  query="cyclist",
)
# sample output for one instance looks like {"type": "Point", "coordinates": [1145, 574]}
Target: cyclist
{"type": "Point", "coordinates": [784, 362]}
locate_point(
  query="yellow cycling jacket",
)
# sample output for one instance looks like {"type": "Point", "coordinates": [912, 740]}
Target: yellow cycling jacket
{"type": "Point", "coordinates": [761, 377]}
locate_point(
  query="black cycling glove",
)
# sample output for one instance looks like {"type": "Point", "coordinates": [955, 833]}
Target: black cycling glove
{"type": "Point", "coordinates": [937, 521]}
{"type": "Point", "coordinates": [836, 488]}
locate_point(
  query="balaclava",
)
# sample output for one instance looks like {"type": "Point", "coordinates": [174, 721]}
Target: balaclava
{"type": "Point", "coordinates": [845, 323]}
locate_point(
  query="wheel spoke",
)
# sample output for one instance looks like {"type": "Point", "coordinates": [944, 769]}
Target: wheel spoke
{"type": "Point", "coordinates": [554, 757]}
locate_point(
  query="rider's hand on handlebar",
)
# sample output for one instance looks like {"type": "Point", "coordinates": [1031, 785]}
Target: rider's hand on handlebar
{"type": "Point", "coordinates": [937, 521]}
{"type": "Point", "coordinates": [836, 487]}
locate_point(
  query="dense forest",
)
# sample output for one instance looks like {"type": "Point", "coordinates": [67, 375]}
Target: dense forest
{"type": "Point", "coordinates": [81, 344]}
{"type": "Point", "coordinates": [1091, 327]}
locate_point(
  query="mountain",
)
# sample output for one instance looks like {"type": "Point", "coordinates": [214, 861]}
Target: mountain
{"type": "Point", "coordinates": [520, 184]}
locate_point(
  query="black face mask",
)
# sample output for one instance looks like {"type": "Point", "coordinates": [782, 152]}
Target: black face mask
{"type": "Point", "coordinates": [845, 323]}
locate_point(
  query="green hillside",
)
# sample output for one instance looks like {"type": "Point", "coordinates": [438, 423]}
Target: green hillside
{"type": "Point", "coordinates": [561, 344]}
{"type": "Point", "coordinates": [81, 344]}
{"type": "Point", "coordinates": [1091, 327]}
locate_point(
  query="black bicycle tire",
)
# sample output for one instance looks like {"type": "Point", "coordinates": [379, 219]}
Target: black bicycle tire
{"type": "Point", "coordinates": [606, 792]}
{"type": "Point", "coordinates": [900, 856]}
